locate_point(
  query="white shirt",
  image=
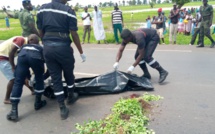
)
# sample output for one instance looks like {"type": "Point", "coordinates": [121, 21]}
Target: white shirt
{"type": "Point", "coordinates": [87, 20]}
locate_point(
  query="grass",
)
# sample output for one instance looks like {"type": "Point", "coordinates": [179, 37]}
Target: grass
{"type": "Point", "coordinates": [136, 22]}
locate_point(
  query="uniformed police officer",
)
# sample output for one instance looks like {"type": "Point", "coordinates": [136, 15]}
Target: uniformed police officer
{"type": "Point", "coordinates": [206, 12]}
{"type": "Point", "coordinates": [26, 19]}
{"type": "Point", "coordinates": [56, 22]}
{"type": "Point", "coordinates": [146, 40]}
{"type": "Point", "coordinates": [30, 56]}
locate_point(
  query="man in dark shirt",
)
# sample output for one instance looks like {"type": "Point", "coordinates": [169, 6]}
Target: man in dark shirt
{"type": "Point", "coordinates": [56, 22]}
{"type": "Point", "coordinates": [146, 40]}
{"type": "Point", "coordinates": [174, 15]}
{"type": "Point", "coordinates": [30, 56]}
{"type": "Point", "coordinates": [159, 25]}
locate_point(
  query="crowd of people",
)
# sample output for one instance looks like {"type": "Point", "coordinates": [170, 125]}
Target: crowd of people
{"type": "Point", "coordinates": [191, 21]}
{"type": "Point", "coordinates": [55, 23]}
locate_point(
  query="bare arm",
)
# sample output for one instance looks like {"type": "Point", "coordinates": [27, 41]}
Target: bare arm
{"type": "Point", "coordinates": [12, 55]}
{"type": "Point", "coordinates": [119, 53]}
{"type": "Point", "coordinates": [76, 40]}
{"type": "Point", "coordinates": [5, 10]}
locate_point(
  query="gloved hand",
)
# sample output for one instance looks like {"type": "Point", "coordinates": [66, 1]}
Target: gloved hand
{"type": "Point", "coordinates": [116, 65]}
{"type": "Point", "coordinates": [83, 57]}
{"type": "Point", "coordinates": [130, 69]}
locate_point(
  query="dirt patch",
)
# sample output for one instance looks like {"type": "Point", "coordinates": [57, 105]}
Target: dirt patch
{"type": "Point", "coordinates": [5, 29]}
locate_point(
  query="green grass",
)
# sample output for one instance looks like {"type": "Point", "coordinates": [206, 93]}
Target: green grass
{"type": "Point", "coordinates": [132, 24]}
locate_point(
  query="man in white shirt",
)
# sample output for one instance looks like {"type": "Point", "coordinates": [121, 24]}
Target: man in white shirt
{"type": "Point", "coordinates": [87, 24]}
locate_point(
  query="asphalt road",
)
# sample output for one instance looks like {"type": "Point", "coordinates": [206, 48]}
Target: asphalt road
{"type": "Point", "coordinates": [187, 108]}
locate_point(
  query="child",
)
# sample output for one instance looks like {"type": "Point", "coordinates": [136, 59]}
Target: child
{"type": "Point", "coordinates": [148, 22]}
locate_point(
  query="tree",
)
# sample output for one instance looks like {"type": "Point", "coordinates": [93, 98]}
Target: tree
{"type": "Point", "coordinates": [159, 1]}
{"type": "Point", "coordinates": [139, 2]}
{"type": "Point", "coordinates": [144, 2]}
{"type": "Point", "coordinates": [123, 2]}
{"type": "Point", "coordinates": [151, 4]}
{"type": "Point", "coordinates": [100, 4]}
{"type": "Point", "coordinates": [133, 2]}
{"type": "Point", "coordinates": [180, 3]}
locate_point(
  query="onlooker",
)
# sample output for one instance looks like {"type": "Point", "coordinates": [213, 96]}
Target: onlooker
{"type": "Point", "coordinates": [164, 23]}
{"type": "Point", "coordinates": [26, 18]}
{"type": "Point", "coordinates": [58, 53]}
{"type": "Point", "coordinates": [87, 25]}
{"type": "Point", "coordinates": [154, 19]}
{"type": "Point", "coordinates": [206, 12]}
{"type": "Point", "coordinates": [117, 22]}
{"type": "Point", "coordinates": [7, 21]}
{"type": "Point", "coordinates": [148, 22]}
{"type": "Point", "coordinates": [132, 14]}
{"type": "Point", "coordinates": [98, 27]}
{"type": "Point", "coordinates": [188, 24]}
{"type": "Point", "coordinates": [30, 56]}
{"type": "Point", "coordinates": [174, 15]}
{"type": "Point", "coordinates": [159, 25]}
{"type": "Point", "coordinates": [8, 50]}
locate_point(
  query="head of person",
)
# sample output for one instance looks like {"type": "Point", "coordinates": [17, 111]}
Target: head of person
{"type": "Point", "coordinates": [116, 6]}
{"type": "Point", "coordinates": [205, 2]}
{"type": "Point", "coordinates": [159, 11]}
{"type": "Point", "coordinates": [27, 5]}
{"type": "Point", "coordinates": [174, 6]}
{"type": "Point", "coordinates": [96, 8]}
{"type": "Point", "coordinates": [33, 39]}
{"type": "Point", "coordinates": [62, 1]}
{"type": "Point", "coordinates": [85, 8]}
{"type": "Point", "coordinates": [126, 35]}
{"type": "Point", "coordinates": [163, 13]}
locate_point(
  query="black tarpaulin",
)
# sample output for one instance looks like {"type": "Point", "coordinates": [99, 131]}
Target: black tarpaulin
{"type": "Point", "coordinates": [112, 82]}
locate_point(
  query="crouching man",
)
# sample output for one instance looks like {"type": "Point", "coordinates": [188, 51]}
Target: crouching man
{"type": "Point", "coordinates": [146, 40]}
{"type": "Point", "coordinates": [30, 56]}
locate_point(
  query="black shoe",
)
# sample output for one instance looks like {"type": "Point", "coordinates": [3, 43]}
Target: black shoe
{"type": "Point", "coordinates": [64, 111]}
{"type": "Point", "coordinates": [212, 45]}
{"type": "Point", "coordinates": [200, 45]}
{"type": "Point", "coordinates": [148, 76]}
{"type": "Point", "coordinates": [163, 75]}
{"type": "Point", "coordinates": [39, 103]}
{"type": "Point", "coordinates": [72, 98]}
{"type": "Point", "coordinates": [13, 115]}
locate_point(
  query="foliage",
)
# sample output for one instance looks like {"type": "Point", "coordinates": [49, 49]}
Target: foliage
{"type": "Point", "coordinates": [180, 3]}
{"type": "Point", "coordinates": [127, 117]}
{"type": "Point", "coordinates": [151, 4]}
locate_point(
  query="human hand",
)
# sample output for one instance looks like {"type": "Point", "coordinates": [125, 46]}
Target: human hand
{"type": "Point", "coordinates": [83, 57]}
{"type": "Point", "coordinates": [116, 65]}
{"type": "Point", "coordinates": [130, 69]}
{"type": "Point", "coordinates": [4, 9]}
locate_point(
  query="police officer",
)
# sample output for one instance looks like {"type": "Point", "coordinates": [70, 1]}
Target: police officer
{"type": "Point", "coordinates": [146, 40]}
{"type": "Point", "coordinates": [30, 56]}
{"type": "Point", "coordinates": [26, 19]}
{"type": "Point", "coordinates": [206, 12]}
{"type": "Point", "coordinates": [56, 22]}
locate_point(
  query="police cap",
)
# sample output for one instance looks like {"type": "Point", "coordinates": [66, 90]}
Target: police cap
{"type": "Point", "coordinates": [26, 1]}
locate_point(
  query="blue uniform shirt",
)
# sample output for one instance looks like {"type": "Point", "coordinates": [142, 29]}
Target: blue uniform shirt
{"type": "Point", "coordinates": [32, 50]}
{"type": "Point", "coordinates": [56, 17]}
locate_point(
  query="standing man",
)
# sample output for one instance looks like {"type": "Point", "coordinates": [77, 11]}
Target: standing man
{"type": "Point", "coordinates": [87, 25]}
{"type": "Point", "coordinates": [8, 50]}
{"type": "Point", "coordinates": [196, 29]}
{"type": "Point", "coordinates": [174, 16]}
{"type": "Point", "coordinates": [26, 19]}
{"type": "Point", "coordinates": [159, 25]}
{"type": "Point", "coordinates": [56, 22]}
{"type": "Point", "coordinates": [30, 56]}
{"type": "Point", "coordinates": [146, 40]}
{"type": "Point", "coordinates": [98, 27]}
{"type": "Point", "coordinates": [117, 22]}
{"type": "Point", "coordinates": [206, 12]}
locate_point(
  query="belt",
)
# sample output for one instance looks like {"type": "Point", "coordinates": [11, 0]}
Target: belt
{"type": "Point", "coordinates": [57, 34]}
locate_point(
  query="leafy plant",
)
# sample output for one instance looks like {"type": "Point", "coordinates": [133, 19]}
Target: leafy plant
{"type": "Point", "coordinates": [128, 116]}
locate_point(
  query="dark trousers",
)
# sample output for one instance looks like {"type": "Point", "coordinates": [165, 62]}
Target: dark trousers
{"type": "Point", "coordinates": [87, 29]}
{"type": "Point", "coordinates": [204, 28]}
{"type": "Point", "coordinates": [116, 28]}
{"type": "Point", "coordinates": [149, 50]}
{"type": "Point", "coordinates": [21, 72]}
{"type": "Point", "coordinates": [196, 32]}
{"type": "Point", "coordinates": [59, 58]}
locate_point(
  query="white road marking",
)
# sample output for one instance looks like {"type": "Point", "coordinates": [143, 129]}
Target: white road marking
{"type": "Point", "coordinates": [182, 51]}
{"type": "Point", "coordinates": [86, 74]}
